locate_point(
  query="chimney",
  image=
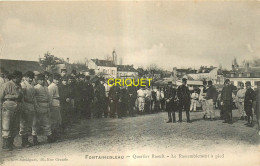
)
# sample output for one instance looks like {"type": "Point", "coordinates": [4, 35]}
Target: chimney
{"type": "Point", "coordinates": [247, 67]}
{"type": "Point", "coordinates": [68, 60]}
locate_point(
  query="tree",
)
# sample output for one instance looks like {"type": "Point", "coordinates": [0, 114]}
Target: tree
{"type": "Point", "coordinates": [49, 62]}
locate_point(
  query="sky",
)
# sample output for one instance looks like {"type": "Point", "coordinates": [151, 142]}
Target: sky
{"type": "Point", "coordinates": [168, 34]}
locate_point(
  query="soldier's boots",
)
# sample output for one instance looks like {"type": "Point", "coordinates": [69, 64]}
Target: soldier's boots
{"type": "Point", "coordinates": [25, 142]}
{"type": "Point", "coordinates": [51, 139]}
{"type": "Point", "coordinates": [7, 144]}
{"type": "Point", "coordinates": [35, 140]}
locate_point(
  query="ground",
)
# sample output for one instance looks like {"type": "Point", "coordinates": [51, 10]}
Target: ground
{"type": "Point", "coordinates": [140, 139]}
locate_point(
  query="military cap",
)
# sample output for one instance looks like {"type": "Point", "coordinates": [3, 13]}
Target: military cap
{"type": "Point", "coordinates": [210, 82]}
{"type": "Point", "coordinates": [29, 74]}
{"type": "Point", "coordinates": [40, 76]}
{"type": "Point", "coordinates": [184, 80]}
{"type": "Point", "coordinates": [248, 83]}
{"type": "Point", "coordinates": [170, 82]}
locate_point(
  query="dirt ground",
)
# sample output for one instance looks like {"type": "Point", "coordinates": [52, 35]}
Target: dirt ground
{"type": "Point", "coordinates": [146, 140]}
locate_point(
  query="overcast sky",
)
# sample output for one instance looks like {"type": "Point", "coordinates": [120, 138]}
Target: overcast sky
{"type": "Point", "coordinates": [169, 34]}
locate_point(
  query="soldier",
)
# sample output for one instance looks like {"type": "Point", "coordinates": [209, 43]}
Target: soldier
{"type": "Point", "coordinates": [211, 98]}
{"type": "Point", "coordinates": [132, 95]}
{"type": "Point", "coordinates": [257, 106]}
{"type": "Point", "coordinates": [202, 99]}
{"type": "Point", "coordinates": [42, 107]}
{"type": "Point", "coordinates": [240, 97]}
{"type": "Point", "coordinates": [184, 100]}
{"type": "Point", "coordinates": [65, 103]}
{"type": "Point", "coordinates": [141, 99]}
{"type": "Point", "coordinates": [194, 99]}
{"type": "Point", "coordinates": [73, 95]}
{"type": "Point", "coordinates": [89, 91]}
{"type": "Point", "coordinates": [11, 98]}
{"type": "Point", "coordinates": [28, 115]}
{"type": "Point", "coordinates": [107, 88]}
{"type": "Point", "coordinates": [55, 115]}
{"type": "Point", "coordinates": [123, 102]}
{"type": "Point", "coordinates": [101, 99]}
{"type": "Point", "coordinates": [169, 95]}
{"type": "Point", "coordinates": [148, 97]}
{"type": "Point", "coordinates": [114, 94]}
{"type": "Point", "coordinates": [227, 100]}
{"type": "Point", "coordinates": [162, 100]}
{"type": "Point", "coordinates": [248, 106]}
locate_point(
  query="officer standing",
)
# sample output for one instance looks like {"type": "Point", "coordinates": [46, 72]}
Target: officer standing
{"type": "Point", "coordinates": [257, 106]}
{"type": "Point", "coordinates": [132, 95]}
{"type": "Point", "coordinates": [114, 94]}
{"type": "Point", "coordinates": [11, 98]}
{"type": "Point", "coordinates": [249, 98]}
{"type": "Point", "coordinates": [227, 100]}
{"type": "Point", "coordinates": [42, 107]}
{"type": "Point", "coordinates": [240, 97]}
{"type": "Point", "coordinates": [169, 96]}
{"type": "Point", "coordinates": [101, 99]}
{"type": "Point", "coordinates": [55, 115]}
{"type": "Point", "coordinates": [28, 115]}
{"type": "Point", "coordinates": [183, 94]}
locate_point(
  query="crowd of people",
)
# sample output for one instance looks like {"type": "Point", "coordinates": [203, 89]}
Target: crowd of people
{"type": "Point", "coordinates": [36, 103]}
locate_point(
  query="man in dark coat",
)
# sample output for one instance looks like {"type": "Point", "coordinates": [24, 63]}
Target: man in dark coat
{"type": "Point", "coordinates": [183, 94]}
{"type": "Point", "coordinates": [100, 99]}
{"type": "Point", "coordinates": [114, 94]}
{"type": "Point", "coordinates": [132, 96]}
{"type": "Point", "coordinates": [227, 100]}
{"type": "Point", "coordinates": [248, 104]}
{"type": "Point", "coordinates": [257, 105]}
{"type": "Point", "coordinates": [169, 96]}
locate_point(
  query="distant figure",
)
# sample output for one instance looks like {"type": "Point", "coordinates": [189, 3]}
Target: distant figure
{"type": "Point", "coordinates": [240, 97]}
{"type": "Point", "coordinates": [194, 99]}
{"type": "Point", "coordinates": [257, 106]}
{"type": "Point", "coordinates": [249, 98]}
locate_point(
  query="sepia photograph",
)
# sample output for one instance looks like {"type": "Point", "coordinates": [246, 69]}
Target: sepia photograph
{"type": "Point", "coordinates": [130, 83]}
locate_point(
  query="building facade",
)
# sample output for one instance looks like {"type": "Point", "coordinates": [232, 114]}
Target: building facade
{"type": "Point", "coordinates": [126, 71]}
{"type": "Point", "coordinates": [103, 68]}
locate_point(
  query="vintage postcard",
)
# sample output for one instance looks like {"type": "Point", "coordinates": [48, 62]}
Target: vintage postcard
{"type": "Point", "coordinates": [130, 83]}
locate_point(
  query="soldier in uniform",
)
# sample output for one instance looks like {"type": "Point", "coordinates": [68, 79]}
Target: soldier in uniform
{"type": "Point", "coordinates": [65, 103]}
{"type": "Point", "coordinates": [107, 88]}
{"type": "Point", "coordinates": [227, 100]}
{"type": "Point", "coordinates": [240, 97]}
{"type": "Point", "coordinates": [114, 94]}
{"type": "Point", "coordinates": [169, 96]}
{"type": "Point", "coordinates": [183, 94]}
{"type": "Point", "coordinates": [28, 115]}
{"type": "Point", "coordinates": [141, 99]}
{"type": "Point", "coordinates": [257, 106]}
{"type": "Point", "coordinates": [101, 99]}
{"type": "Point", "coordinates": [42, 107]}
{"type": "Point", "coordinates": [123, 102]}
{"type": "Point", "coordinates": [89, 90]}
{"type": "Point", "coordinates": [211, 98]}
{"type": "Point", "coordinates": [249, 98]}
{"type": "Point", "coordinates": [11, 98]}
{"type": "Point", "coordinates": [132, 95]}
{"type": "Point", "coordinates": [63, 73]}
{"type": "Point", "coordinates": [202, 99]}
{"type": "Point", "coordinates": [80, 97]}
{"type": "Point", "coordinates": [55, 115]}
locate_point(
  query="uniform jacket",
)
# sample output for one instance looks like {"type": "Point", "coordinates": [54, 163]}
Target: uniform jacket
{"type": "Point", "coordinates": [54, 95]}
{"type": "Point", "coordinates": [249, 96]}
{"type": "Point", "coordinates": [226, 93]}
{"type": "Point", "coordinates": [114, 93]}
{"type": "Point", "coordinates": [211, 93]}
{"type": "Point", "coordinates": [183, 93]}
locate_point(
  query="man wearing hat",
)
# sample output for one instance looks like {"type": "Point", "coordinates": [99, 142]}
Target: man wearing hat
{"type": "Point", "coordinates": [55, 115]}
{"type": "Point", "coordinates": [249, 98]}
{"type": "Point", "coordinates": [169, 96]}
{"type": "Point", "coordinates": [240, 97]}
{"type": "Point", "coordinates": [42, 107]}
{"type": "Point", "coordinates": [227, 100]}
{"type": "Point", "coordinates": [183, 94]}
{"type": "Point", "coordinates": [89, 97]}
{"type": "Point", "coordinates": [132, 95]}
{"type": "Point", "coordinates": [211, 98]}
{"type": "Point", "coordinates": [101, 98]}
{"type": "Point", "coordinates": [11, 98]}
{"type": "Point", "coordinates": [28, 114]}
{"type": "Point", "coordinates": [114, 95]}
{"type": "Point", "coordinates": [257, 106]}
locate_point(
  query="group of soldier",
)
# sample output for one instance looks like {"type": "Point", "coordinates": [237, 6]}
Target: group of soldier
{"type": "Point", "coordinates": [182, 99]}
{"type": "Point", "coordinates": [36, 103]}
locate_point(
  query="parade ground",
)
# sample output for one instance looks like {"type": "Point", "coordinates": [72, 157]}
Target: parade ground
{"type": "Point", "coordinates": [146, 139]}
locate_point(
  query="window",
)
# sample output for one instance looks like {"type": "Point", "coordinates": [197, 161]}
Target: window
{"type": "Point", "coordinates": [240, 75]}
{"type": "Point", "coordinates": [248, 74]}
{"type": "Point", "coordinates": [232, 74]}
